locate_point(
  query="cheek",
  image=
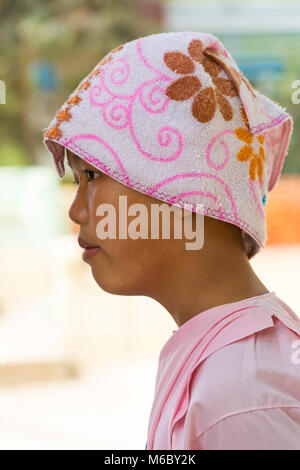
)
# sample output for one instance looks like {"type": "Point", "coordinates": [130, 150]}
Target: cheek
{"type": "Point", "coordinates": [126, 263]}
{"type": "Point", "coordinates": [126, 256]}
{"type": "Point", "coordinates": [98, 196]}
{"type": "Point", "coordinates": [104, 220]}
{"type": "Point", "coordinates": [122, 268]}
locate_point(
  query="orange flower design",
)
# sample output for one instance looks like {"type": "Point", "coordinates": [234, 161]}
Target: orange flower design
{"type": "Point", "coordinates": [247, 151]}
{"type": "Point", "coordinates": [206, 100]}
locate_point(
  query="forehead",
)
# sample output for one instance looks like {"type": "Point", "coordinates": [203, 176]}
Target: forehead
{"type": "Point", "coordinates": [78, 164]}
{"type": "Point", "coordinates": [72, 158]}
{"type": "Point", "coordinates": [75, 161]}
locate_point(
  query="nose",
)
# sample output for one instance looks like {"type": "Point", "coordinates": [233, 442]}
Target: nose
{"type": "Point", "coordinates": [78, 211]}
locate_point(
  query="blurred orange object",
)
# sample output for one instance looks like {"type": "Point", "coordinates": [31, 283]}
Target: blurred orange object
{"type": "Point", "coordinates": [283, 211]}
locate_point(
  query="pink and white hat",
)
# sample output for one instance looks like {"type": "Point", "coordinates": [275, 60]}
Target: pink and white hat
{"type": "Point", "coordinates": [172, 116]}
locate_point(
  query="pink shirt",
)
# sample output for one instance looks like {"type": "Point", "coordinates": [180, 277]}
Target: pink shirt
{"type": "Point", "coordinates": [229, 378]}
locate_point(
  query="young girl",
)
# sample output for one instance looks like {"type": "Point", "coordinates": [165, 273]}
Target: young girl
{"type": "Point", "coordinates": [170, 118]}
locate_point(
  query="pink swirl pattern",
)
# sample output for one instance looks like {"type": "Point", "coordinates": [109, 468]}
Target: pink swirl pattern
{"type": "Point", "coordinates": [201, 193]}
{"type": "Point", "coordinates": [117, 108]}
{"type": "Point", "coordinates": [210, 146]}
{"type": "Point", "coordinates": [222, 183]}
{"type": "Point", "coordinates": [113, 154]}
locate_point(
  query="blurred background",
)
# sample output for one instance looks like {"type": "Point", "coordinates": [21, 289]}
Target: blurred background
{"type": "Point", "coordinates": [78, 365]}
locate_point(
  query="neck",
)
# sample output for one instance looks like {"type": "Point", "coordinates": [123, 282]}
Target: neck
{"type": "Point", "coordinates": [198, 283]}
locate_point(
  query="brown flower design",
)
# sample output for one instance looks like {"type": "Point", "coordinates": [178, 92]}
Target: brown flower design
{"type": "Point", "coordinates": [206, 100]}
{"type": "Point", "coordinates": [247, 151]}
{"type": "Point", "coordinates": [238, 77]}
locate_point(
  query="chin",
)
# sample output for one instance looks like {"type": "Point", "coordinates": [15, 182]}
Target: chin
{"type": "Point", "coordinates": [112, 286]}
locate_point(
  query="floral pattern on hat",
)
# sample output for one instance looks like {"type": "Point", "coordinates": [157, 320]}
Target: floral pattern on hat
{"type": "Point", "coordinates": [247, 151]}
{"type": "Point", "coordinates": [206, 100]}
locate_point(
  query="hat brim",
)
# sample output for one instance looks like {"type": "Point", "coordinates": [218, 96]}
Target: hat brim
{"type": "Point", "coordinates": [278, 133]}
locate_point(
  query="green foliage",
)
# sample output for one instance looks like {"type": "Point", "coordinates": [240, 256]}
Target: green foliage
{"type": "Point", "coordinates": [12, 154]}
{"type": "Point", "coordinates": [70, 35]}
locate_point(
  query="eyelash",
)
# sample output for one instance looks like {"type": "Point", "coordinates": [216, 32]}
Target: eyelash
{"type": "Point", "coordinates": [87, 172]}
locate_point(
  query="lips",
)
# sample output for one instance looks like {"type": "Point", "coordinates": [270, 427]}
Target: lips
{"type": "Point", "coordinates": [90, 250]}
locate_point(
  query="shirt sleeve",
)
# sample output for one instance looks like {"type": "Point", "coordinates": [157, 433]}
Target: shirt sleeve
{"type": "Point", "coordinates": [260, 429]}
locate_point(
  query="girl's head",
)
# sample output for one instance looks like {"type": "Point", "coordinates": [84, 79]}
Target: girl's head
{"type": "Point", "coordinates": [140, 266]}
{"type": "Point", "coordinates": [170, 117]}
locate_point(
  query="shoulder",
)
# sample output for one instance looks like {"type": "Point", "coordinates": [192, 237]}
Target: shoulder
{"type": "Point", "coordinates": [275, 428]}
{"type": "Point", "coordinates": [255, 372]}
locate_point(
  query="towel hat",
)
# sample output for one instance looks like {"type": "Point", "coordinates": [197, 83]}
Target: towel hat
{"type": "Point", "coordinates": [172, 116]}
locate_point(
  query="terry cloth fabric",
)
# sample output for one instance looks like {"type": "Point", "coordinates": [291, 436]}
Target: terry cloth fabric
{"type": "Point", "coordinates": [172, 116]}
{"type": "Point", "coordinates": [229, 378]}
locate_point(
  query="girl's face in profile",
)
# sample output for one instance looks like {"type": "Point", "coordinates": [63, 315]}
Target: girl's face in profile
{"type": "Point", "coordinates": [184, 281]}
{"type": "Point", "coordinates": [121, 266]}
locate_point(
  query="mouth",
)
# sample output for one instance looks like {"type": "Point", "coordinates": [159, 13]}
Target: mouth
{"type": "Point", "coordinates": [90, 252]}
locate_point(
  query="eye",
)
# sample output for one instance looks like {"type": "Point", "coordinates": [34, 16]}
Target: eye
{"type": "Point", "coordinates": [91, 174]}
